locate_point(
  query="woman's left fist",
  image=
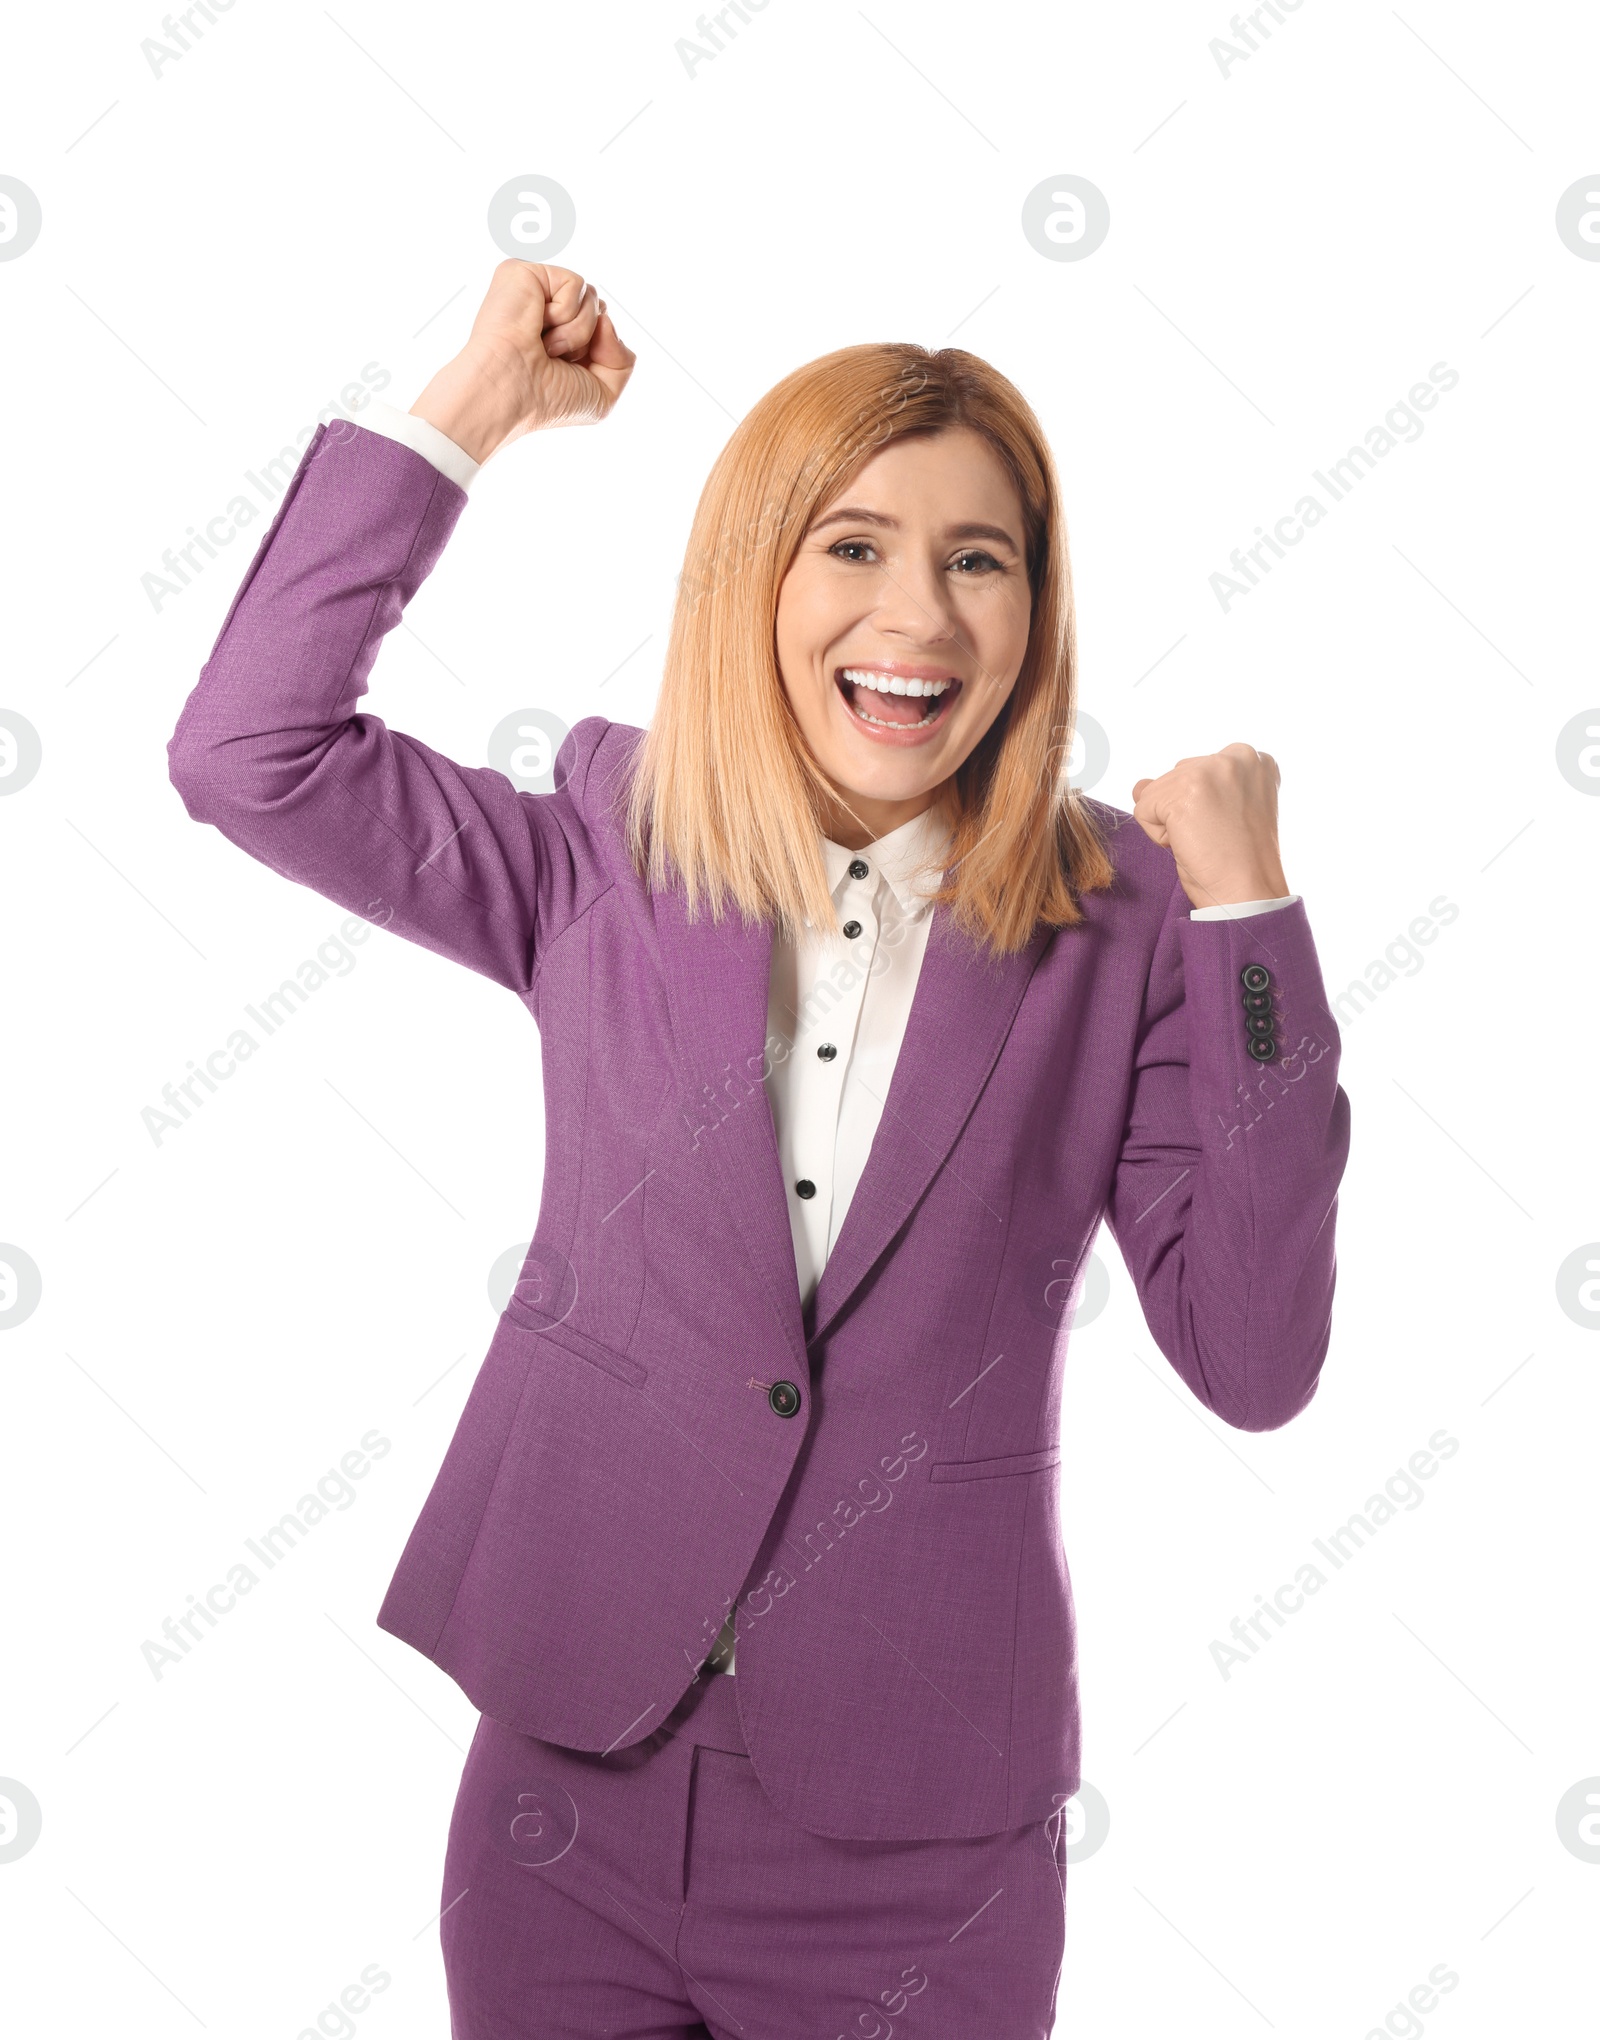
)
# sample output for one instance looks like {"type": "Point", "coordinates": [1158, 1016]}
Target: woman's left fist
{"type": "Point", "coordinates": [1219, 818]}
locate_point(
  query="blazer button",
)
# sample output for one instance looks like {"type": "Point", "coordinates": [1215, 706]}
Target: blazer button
{"type": "Point", "coordinates": [1259, 1023]}
{"type": "Point", "coordinates": [784, 1398]}
{"type": "Point", "coordinates": [1262, 1047]}
{"type": "Point", "coordinates": [1255, 977]}
{"type": "Point", "coordinates": [805, 1187]}
{"type": "Point", "coordinates": [1258, 1002]}
{"type": "Point", "coordinates": [826, 1052]}
{"type": "Point", "coordinates": [858, 868]}
{"type": "Point", "coordinates": [852, 929]}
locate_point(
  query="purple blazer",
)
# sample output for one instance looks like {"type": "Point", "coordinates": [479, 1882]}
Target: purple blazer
{"type": "Point", "coordinates": [623, 1471]}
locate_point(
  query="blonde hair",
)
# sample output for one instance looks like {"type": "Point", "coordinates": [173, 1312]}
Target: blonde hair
{"type": "Point", "coordinates": [726, 798]}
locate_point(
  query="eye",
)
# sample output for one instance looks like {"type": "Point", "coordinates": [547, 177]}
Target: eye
{"type": "Point", "coordinates": [852, 547]}
{"type": "Point", "coordinates": [976, 562]}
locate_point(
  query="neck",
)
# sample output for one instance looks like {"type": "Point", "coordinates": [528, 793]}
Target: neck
{"type": "Point", "coordinates": [864, 821]}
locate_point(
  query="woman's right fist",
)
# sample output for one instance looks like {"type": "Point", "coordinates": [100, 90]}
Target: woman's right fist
{"type": "Point", "coordinates": [542, 352]}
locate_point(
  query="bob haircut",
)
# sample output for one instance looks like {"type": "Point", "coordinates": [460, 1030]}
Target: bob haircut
{"type": "Point", "coordinates": [726, 798]}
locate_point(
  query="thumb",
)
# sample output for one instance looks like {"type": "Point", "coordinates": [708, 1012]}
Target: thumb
{"type": "Point", "coordinates": [609, 362]}
{"type": "Point", "coordinates": [1139, 786]}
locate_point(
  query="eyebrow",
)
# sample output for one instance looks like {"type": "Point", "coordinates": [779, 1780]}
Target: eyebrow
{"type": "Point", "coordinates": [849, 514]}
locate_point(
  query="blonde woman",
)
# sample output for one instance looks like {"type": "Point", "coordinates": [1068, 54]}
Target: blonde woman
{"type": "Point", "coordinates": [857, 1023]}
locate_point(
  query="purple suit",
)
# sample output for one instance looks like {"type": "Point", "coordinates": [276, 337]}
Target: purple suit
{"type": "Point", "coordinates": [622, 1470]}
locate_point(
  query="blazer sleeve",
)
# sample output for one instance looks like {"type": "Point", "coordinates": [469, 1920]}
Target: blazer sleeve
{"type": "Point", "coordinates": [272, 749]}
{"type": "Point", "coordinates": [1224, 1195]}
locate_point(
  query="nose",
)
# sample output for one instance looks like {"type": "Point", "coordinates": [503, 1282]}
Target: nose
{"type": "Point", "coordinates": [914, 601]}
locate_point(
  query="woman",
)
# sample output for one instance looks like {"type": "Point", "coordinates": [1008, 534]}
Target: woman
{"type": "Point", "coordinates": [856, 1023]}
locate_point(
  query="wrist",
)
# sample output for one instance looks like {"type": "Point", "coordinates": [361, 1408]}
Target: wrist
{"type": "Point", "coordinates": [1237, 887]}
{"type": "Point", "coordinates": [474, 401]}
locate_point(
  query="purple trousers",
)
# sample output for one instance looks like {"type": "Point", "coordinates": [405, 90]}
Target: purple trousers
{"type": "Point", "coordinates": [657, 1891]}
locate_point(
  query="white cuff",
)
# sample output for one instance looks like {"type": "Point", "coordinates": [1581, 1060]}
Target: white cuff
{"type": "Point", "coordinates": [421, 437]}
{"type": "Point", "coordinates": [1239, 910]}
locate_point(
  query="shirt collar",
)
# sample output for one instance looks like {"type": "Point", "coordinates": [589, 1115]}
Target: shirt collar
{"type": "Point", "coordinates": [896, 857]}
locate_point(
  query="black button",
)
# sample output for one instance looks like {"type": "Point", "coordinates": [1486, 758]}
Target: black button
{"type": "Point", "coordinates": [858, 868]}
{"type": "Point", "coordinates": [1259, 1023]}
{"type": "Point", "coordinates": [1258, 1002]}
{"type": "Point", "coordinates": [827, 1052]}
{"type": "Point", "coordinates": [852, 929]}
{"type": "Point", "coordinates": [784, 1398]}
{"type": "Point", "coordinates": [1262, 1047]}
{"type": "Point", "coordinates": [805, 1187]}
{"type": "Point", "coordinates": [1255, 977]}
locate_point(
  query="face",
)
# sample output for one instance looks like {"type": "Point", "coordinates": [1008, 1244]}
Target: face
{"type": "Point", "coordinates": [903, 622]}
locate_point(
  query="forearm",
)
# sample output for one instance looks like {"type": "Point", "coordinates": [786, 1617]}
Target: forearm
{"type": "Point", "coordinates": [359, 529]}
{"type": "Point", "coordinates": [1224, 1201]}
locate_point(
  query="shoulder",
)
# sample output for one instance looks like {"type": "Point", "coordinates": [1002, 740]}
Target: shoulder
{"type": "Point", "coordinates": [592, 766]}
{"type": "Point", "coordinates": [1146, 872]}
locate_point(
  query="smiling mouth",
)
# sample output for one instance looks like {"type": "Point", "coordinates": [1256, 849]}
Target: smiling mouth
{"type": "Point", "coordinates": [889, 702]}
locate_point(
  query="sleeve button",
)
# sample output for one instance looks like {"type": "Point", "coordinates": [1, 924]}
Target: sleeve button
{"type": "Point", "coordinates": [1255, 977]}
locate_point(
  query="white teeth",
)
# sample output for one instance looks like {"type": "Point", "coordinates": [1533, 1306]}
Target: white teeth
{"type": "Point", "coordinates": [891, 683]}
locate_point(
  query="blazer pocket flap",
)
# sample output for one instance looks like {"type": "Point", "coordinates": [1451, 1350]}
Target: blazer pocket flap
{"type": "Point", "coordinates": [989, 1469]}
{"type": "Point", "coordinates": [606, 1358]}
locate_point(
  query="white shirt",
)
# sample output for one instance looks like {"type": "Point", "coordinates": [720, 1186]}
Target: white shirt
{"type": "Point", "coordinates": [851, 994]}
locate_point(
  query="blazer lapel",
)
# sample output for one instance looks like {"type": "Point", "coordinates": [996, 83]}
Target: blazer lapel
{"type": "Point", "coordinates": [717, 976]}
{"type": "Point", "coordinates": [960, 1016]}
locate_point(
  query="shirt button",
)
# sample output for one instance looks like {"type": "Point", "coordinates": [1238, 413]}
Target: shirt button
{"type": "Point", "coordinates": [852, 929]}
{"type": "Point", "coordinates": [858, 868]}
{"type": "Point", "coordinates": [827, 1052]}
{"type": "Point", "coordinates": [805, 1187]}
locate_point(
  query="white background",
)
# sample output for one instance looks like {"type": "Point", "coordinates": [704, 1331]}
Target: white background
{"type": "Point", "coordinates": [225, 1313]}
